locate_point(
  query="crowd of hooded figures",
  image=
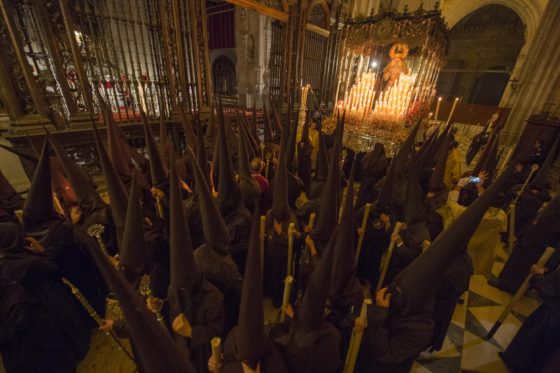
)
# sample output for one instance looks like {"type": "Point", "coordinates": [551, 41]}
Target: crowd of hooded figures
{"type": "Point", "coordinates": [190, 243]}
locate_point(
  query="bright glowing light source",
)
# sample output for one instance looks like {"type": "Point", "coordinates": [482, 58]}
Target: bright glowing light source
{"type": "Point", "coordinates": [374, 64]}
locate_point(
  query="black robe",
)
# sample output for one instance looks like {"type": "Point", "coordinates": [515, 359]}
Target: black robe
{"type": "Point", "coordinates": [454, 283]}
{"type": "Point", "coordinates": [238, 224]}
{"type": "Point", "coordinates": [392, 343]}
{"type": "Point", "coordinates": [271, 362]}
{"type": "Point", "coordinates": [538, 340]}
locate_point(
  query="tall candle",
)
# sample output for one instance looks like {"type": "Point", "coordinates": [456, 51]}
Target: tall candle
{"type": "Point", "coordinates": [437, 107]}
{"type": "Point", "coordinates": [452, 110]}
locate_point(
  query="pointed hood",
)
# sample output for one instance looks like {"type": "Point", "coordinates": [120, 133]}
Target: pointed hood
{"type": "Point", "coordinates": [393, 188]}
{"type": "Point", "coordinates": [213, 226]}
{"type": "Point", "coordinates": [118, 149]}
{"type": "Point", "coordinates": [158, 170]}
{"type": "Point", "coordinates": [117, 192]}
{"type": "Point", "coordinates": [188, 128]}
{"type": "Point", "coordinates": [437, 177]}
{"type": "Point", "coordinates": [304, 154]}
{"type": "Point", "coordinates": [164, 143]}
{"type": "Point", "coordinates": [543, 175]}
{"type": "Point", "coordinates": [322, 159]}
{"type": "Point", "coordinates": [250, 189]}
{"type": "Point", "coordinates": [417, 281]}
{"type": "Point", "coordinates": [253, 130]}
{"type": "Point", "coordinates": [280, 205]}
{"type": "Point", "coordinates": [201, 152]}
{"type": "Point", "coordinates": [415, 206]}
{"type": "Point", "coordinates": [476, 143]}
{"type": "Point", "coordinates": [276, 122]}
{"type": "Point", "coordinates": [375, 161]}
{"type": "Point", "coordinates": [250, 327]}
{"type": "Point", "coordinates": [427, 153]}
{"type": "Point", "coordinates": [330, 199]}
{"type": "Point", "coordinates": [133, 255]}
{"type": "Point", "coordinates": [491, 161]}
{"type": "Point", "coordinates": [9, 197]}
{"type": "Point", "coordinates": [60, 184]}
{"type": "Point", "coordinates": [38, 207]}
{"type": "Point", "coordinates": [88, 198]}
{"type": "Point", "coordinates": [268, 139]}
{"type": "Point", "coordinates": [229, 195]}
{"type": "Point", "coordinates": [155, 349]}
{"type": "Point", "coordinates": [244, 129]}
{"type": "Point", "coordinates": [21, 153]}
{"type": "Point", "coordinates": [343, 271]}
{"type": "Point", "coordinates": [292, 130]}
{"type": "Point", "coordinates": [486, 155]}
{"type": "Point", "coordinates": [184, 274]}
{"type": "Point", "coordinates": [310, 314]}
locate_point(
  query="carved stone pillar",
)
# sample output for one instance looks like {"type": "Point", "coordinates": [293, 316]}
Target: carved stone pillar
{"type": "Point", "coordinates": [538, 75]}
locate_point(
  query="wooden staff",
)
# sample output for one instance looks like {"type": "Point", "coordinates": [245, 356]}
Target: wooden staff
{"type": "Point", "coordinates": [534, 169]}
{"type": "Point", "coordinates": [520, 292]}
{"type": "Point", "coordinates": [511, 228]}
{"type": "Point", "coordinates": [262, 150]}
{"type": "Point", "coordinates": [291, 232]}
{"type": "Point", "coordinates": [215, 344]}
{"type": "Point", "coordinates": [363, 229]}
{"type": "Point", "coordinates": [356, 340]}
{"type": "Point", "coordinates": [262, 236]}
{"type": "Point", "coordinates": [266, 167]}
{"type": "Point", "coordinates": [288, 282]}
{"type": "Point", "coordinates": [83, 301]}
{"type": "Point", "coordinates": [159, 206]}
{"type": "Point", "coordinates": [388, 257]}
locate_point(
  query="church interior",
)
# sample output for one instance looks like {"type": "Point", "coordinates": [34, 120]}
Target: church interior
{"type": "Point", "coordinates": [277, 186]}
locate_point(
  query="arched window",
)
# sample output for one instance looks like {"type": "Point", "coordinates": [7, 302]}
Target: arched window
{"type": "Point", "coordinates": [223, 71]}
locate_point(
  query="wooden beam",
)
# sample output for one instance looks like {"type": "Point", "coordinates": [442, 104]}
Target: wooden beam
{"type": "Point", "coordinates": [318, 30]}
{"type": "Point", "coordinates": [263, 9]}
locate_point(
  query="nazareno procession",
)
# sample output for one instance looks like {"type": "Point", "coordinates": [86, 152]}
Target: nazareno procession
{"type": "Point", "coordinates": [363, 256]}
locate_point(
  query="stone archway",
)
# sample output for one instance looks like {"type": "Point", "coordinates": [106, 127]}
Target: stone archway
{"type": "Point", "coordinates": [223, 71]}
{"type": "Point", "coordinates": [530, 11]}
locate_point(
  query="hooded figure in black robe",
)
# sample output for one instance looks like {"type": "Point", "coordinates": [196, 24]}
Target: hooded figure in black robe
{"type": "Point", "coordinates": [278, 220]}
{"type": "Point", "coordinates": [40, 326]}
{"type": "Point", "coordinates": [213, 256]}
{"type": "Point", "coordinates": [410, 241]}
{"type": "Point", "coordinates": [309, 342]}
{"type": "Point", "coordinates": [373, 167]}
{"type": "Point", "coordinates": [346, 294]}
{"type": "Point", "coordinates": [250, 188]}
{"type": "Point", "coordinates": [538, 340]}
{"type": "Point", "coordinates": [248, 343]}
{"type": "Point", "coordinates": [192, 299]}
{"type": "Point", "coordinates": [230, 202]}
{"type": "Point", "coordinates": [396, 334]}
{"type": "Point", "coordinates": [542, 232]}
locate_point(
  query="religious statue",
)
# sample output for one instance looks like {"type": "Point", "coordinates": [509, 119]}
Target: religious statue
{"type": "Point", "coordinates": [397, 66]}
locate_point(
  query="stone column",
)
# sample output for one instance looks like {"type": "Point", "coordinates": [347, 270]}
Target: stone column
{"type": "Point", "coordinates": [537, 77]}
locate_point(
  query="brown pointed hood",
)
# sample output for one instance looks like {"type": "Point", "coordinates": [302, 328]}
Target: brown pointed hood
{"type": "Point", "coordinates": [310, 314]}
{"type": "Point", "coordinates": [268, 138]}
{"type": "Point", "coordinates": [304, 154]}
{"type": "Point", "coordinates": [38, 207]}
{"type": "Point", "coordinates": [117, 192]}
{"type": "Point", "coordinates": [415, 206]}
{"type": "Point", "coordinates": [89, 200]}
{"type": "Point", "coordinates": [276, 123]}
{"type": "Point", "coordinates": [229, 195]}
{"type": "Point", "coordinates": [292, 130]}
{"type": "Point", "coordinates": [188, 128]}
{"type": "Point", "coordinates": [214, 228]}
{"type": "Point", "coordinates": [250, 189]}
{"type": "Point", "coordinates": [343, 271]}
{"type": "Point", "coordinates": [437, 177]}
{"type": "Point", "coordinates": [155, 349]}
{"type": "Point", "coordinates": [393, 188]}
{"type": "Point", "coordinates": [491, 161]}
{"type": "Point", "coordinates": [164, 143]}
{"type": "Point", "coordinates": [118, 149]}
{"type": "Point", "coordinates": [415, 284]}
{"type": "Point", "coordinates": [201, 152]}
{"type": "Point", "coordinates": [184, 274]}
{"type": "Point", "coordinates": [60, 184]}
{"type": "Point", "coordinates": [250, 327]}
{"type": "Point", "coordinates": [330, 199]}
{"type": "Point", "coordinates": [133, 254]}
{"type": "Point", "coordinates": [322, 159]}
{"type": "Point", "coordinates": [543, 175]}
{"type": "Point", "coordinates": [9, 198]}
{"type": "Point", "coordinates": [158, 170]}
{"type": "Point", "coordinates": [280, 205]}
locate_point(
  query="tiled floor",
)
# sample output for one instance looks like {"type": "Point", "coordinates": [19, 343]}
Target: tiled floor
{"type": "Point", "coordinates": [465, 348]}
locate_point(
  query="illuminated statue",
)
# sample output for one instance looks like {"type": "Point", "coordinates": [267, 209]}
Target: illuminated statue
{"type": "Point", "coordinates": [397, 66]}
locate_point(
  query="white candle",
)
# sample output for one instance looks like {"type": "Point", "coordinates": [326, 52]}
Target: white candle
{"type": "Point", "coordinates": [437, 107]}
{"type": "Point", "coordinates": [452, 110]}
